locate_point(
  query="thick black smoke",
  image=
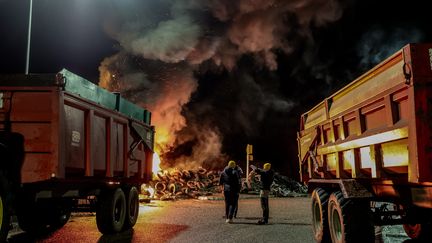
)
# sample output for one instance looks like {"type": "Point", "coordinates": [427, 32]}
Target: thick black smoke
{"type": "Point", "coordinates": [218, 74]}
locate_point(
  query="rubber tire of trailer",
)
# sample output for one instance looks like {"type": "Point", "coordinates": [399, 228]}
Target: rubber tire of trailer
{"type": "Point", "coordinates": [319, 215]}
{"type": "Point", "coordinates": [39, 218]}
{"type": "Point", "coordinates": [349, 220]}
{"type": "Point", "coordinates": [421, 232]}
{"type": "Point", "coordinates": [132, 207]}
{"type": "Point", "coordinates": [60, 216]}
{"type": "Point", "coordinates": [4, 208]}
{"type": "Point", "coordinates": [111, 211]}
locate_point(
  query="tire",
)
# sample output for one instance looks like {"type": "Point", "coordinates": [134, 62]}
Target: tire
{"type": "Point", "coordinates": [39, 218]}
{"type": "Point", "coordinates": [30, 217]}
{"type": "Point", "coordinates": [132, 208]}
{"type": "Point", "coordinates": [319, 215]}
{"type": "Point", "coordinates": [349, 220]}
{"type": "Point", "coordinates": [111, 211]}
{"type": "Point", "coordinates": [4, 208]}
{"type": "Point", "coordinates": [60, 216]}
{"type": "Point", "coordinates": [421, 232]}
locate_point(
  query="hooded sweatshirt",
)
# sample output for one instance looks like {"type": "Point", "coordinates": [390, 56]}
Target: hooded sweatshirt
{"type": "Point", "coordinates": [230, 178]}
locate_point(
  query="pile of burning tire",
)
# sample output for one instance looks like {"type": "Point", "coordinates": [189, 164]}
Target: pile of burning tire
{"type": "Point", "coordinates": [282, 186]}
{"type": "Point", "coordinates": [182, 184]}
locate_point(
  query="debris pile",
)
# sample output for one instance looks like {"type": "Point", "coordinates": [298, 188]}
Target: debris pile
{"type": "Point", "coordinates": [182, 184]}
{"type": "Point", "coordinates": [282, 186]}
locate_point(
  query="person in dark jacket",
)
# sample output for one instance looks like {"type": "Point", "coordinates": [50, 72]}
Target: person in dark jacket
{"type": "Point", "coordinates": [230, 181]}
{"type": "Point", "coordinates": [267, 177]}
{"type": "Point", "coordinates": [240, 175]}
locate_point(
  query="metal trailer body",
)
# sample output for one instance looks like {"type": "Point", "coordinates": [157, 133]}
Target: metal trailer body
{"type": "Point", "coordinates": [372, 141]}
{"type": "Point", "coordinates": [79, 141]}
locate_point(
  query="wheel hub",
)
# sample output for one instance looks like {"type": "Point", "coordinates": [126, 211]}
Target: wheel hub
{"type": "Point", "coordinates": [117, 211]}
{"type": "Point", "coordinates": [337, 227]}
{"type": "Point", "coordinates": [316, 217]}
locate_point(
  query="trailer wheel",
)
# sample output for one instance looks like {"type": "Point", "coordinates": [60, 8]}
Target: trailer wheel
{"type": "Point", "coordinates": [349, 220]}
{"type": "Point", "coordinates": [132, 208]}
{"type": "Point", "coordinates": [42, 217]}
{"type": "Point", "coordinates": [59, 216]}
{"type": "Point", "coordinates": [111, 211]}
{"type": "Point", "coordinates": [319, 215]}
{"type": "Point", "coordinates": [4, 209]}
{"type": "Point", "coordinates": [421, 232]}
{"type": "Point", "coordinates": [29, 217]}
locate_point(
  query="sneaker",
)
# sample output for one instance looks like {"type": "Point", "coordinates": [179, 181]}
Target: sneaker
{"type": "Point", "coordinates": [229, 221]}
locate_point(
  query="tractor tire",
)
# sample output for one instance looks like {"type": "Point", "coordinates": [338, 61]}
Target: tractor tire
{"type": "Point", "coordinates": [319, 215]}
{"type": "Point", "coordinates": [111, 211]}
{"type": "Point", "coordinates": [349, 220]}
{"type": "Point", "coordinates": [132, 208]}
{"type": "Point", "coordinates": [420, 232]}
{"type": "Point", "coordinates": [4, 208]}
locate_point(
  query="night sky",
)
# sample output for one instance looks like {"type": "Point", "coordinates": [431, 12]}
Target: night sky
{"type": "Point", "coordinates": [216, 74]}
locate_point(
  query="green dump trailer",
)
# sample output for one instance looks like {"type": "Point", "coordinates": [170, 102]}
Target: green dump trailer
{"type": "Point", "coordinates": [64, 141]}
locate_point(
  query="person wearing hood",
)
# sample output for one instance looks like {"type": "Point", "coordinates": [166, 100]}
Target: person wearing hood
{"type": "Point", "coordinates": [267, 177]}
{"type": "Point", "coordinates": [229, 179]}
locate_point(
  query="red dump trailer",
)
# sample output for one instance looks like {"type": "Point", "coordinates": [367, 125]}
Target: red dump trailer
{"type": "Point", "coordinates": [366, 151]}
{"type": "Point", "coordinates": [65, 141]}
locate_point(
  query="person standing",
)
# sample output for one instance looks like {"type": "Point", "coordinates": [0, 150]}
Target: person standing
{"type": "Point", "coordinates": [231, 187]}
{"type": "Point", "coordinates": [267, 177]}
{"type": "Point", "coordinates": [240, 175]}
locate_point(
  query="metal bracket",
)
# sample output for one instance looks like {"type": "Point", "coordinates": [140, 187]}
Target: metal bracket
{"type": "Point", "coordinates": [61, 80]}
{"type": "Point", "coordinates": [406, 68]}
{"type": "Point", "coordinates": [353, 189]}
{"type": "Point", "coordinates": [407, 73]}
{"type": "Point", "coordinates": [350, 188]}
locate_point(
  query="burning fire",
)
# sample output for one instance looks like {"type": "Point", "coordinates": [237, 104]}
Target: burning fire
{"type": "Point", "coordinates": [147, 191]}
{"type": "Point", "coordinates": [162, 137]}
{"type": "Point", "coordinates": [156, 164]}
{"type": "Point", "coordinates": [165, 97]}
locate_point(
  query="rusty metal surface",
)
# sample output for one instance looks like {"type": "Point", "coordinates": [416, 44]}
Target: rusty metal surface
{"type": "Point", "coordinates": [380, 125]}
{"type": "Point", "coordinates": [75, 140]}
{"type": "Point", "coordinates": [117, 148]}
{"type": "Point", "coordinates": [350, 188]}
{"type": "Point", "coordinates": [67, 136]}
{"type": "Point", "coordinates": [353, 189]}
{"type": "Point", "coordinates": [31, 114]}
{"type": "Point", "coordinates": [99, 142]}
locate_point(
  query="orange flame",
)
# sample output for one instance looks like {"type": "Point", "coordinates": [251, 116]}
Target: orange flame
{"type": "Point", "coordinates": [162, 138]}
{"type": "Point", "coordinates": [156, 164]}
{"type": "Point", "coordinates": [176, 85]}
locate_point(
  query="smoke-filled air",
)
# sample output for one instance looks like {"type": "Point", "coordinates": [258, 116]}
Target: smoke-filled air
{"type": "Point", "coordinates": [209, 69]}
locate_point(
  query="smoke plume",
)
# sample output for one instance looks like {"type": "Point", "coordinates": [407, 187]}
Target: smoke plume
{"type": "Point", "coordinates": [379, 43]}
{"type": "Point", "coordinates": [168, 49]}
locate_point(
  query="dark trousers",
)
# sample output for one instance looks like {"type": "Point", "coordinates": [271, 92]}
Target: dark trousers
{"type": "Point", "coordinates": [231, 199]}
{"type": "Point", "coordinates": [265, 208]}
{"type": "Point", "coordinates": [236, 205]}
